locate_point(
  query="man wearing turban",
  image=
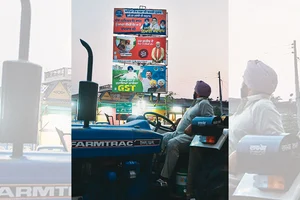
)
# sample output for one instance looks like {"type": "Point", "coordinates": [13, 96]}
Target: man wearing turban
{"type": "Point", "coordinates": [176, 142]}
{"type": "Point", "coordinates": [161, 85]}
{"type": "Point", "coordinates": [130, 75]}
{"type": "Point", "coordinates": [257, 114]}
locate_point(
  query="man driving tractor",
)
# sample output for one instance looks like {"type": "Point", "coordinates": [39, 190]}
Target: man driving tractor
{"type": "Point", "coordinates": [177, 142]}
{"type": "Point", "coordinates": [256, 114]}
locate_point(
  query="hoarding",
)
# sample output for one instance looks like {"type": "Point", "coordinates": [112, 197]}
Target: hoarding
{"type": "Point", "coordinates": [140, 21]}
{"type": "Point", "coordinates": [149, 50]}
{"type": "Point", "coordinates": [141, 79]}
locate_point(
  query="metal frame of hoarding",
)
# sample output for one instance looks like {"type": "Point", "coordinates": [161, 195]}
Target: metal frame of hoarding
{"type": "Point", "coordinates": [167, 22]}
{"type": "Point", "coordinates": [167, 80]}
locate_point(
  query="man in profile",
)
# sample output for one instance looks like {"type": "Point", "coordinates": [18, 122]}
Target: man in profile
{"type": "Point", "coordinates": [177, 142]}
{"type": "Point", "coordinates": [158, 53]}
{"type": "Point", "coordinates": [256, 115]}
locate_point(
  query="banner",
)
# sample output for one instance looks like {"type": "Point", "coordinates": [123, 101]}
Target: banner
{"type": "Point", "coordinates": [141, 79]}
{"type": "Point", "coordinates": [140, 21]}
{"type": "Point", "coordinates": [148, 50]}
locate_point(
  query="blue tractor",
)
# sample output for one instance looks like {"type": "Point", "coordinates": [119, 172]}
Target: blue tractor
{"type": "Point", "coordinates": [121, 163]}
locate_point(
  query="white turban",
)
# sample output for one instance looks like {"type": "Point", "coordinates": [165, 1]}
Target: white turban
{"type": "Point", "coordinates": [260, 77]}
{"type": "Point", "coordinates": [161, 80]}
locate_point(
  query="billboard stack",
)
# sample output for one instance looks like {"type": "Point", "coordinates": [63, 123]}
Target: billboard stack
{"type": "Point", "coordinates": [140, 50]}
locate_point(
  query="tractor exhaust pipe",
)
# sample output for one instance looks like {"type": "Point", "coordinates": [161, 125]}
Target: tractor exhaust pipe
{"type": "Point", "coordinates": [88, 92]}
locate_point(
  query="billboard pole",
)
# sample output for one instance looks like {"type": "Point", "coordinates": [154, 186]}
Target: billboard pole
{"type": "Point", "coordinates": [296, 83]}
{"type": "Point", "coordinates": [220, 90]}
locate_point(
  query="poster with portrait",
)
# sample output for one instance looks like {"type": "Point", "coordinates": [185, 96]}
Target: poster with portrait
{"type": "Point", "coordinates": [135, 50]}
{"type": "Point", "coordinates": [135, 21]}
{"type": "Point", "coordinates": [140, 79]}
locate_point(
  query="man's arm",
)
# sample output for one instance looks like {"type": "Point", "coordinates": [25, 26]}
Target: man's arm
{"type": "Point", "coordinates": [205, 109]}
{"type": "Point", "coordinates": [201, 109]}
{"type": "Point", "coordinates": [153, 54]}
{"type": "Point", "coordinates": [162, 54]}
{"type": "Point", "coordinates": [140, 76]}
{"type": "Point", "coordinates": [267, 120]}
{"type": "Point", "coordinates": [117, 76]}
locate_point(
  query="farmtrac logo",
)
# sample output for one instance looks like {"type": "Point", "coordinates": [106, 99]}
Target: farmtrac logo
{"type": "Point", "coordinates": [27, 191]}
{"type": "Point", "coordinates": [115, 143]}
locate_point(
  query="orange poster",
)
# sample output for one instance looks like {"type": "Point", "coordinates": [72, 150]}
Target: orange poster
{"type": "Point", "coordinates": [130, 49]}
{"type": "Point", "coordinates": [140, 21]}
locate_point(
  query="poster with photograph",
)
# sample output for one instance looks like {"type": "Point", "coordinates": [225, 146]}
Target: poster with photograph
{"type": "Point", "coordinates": [148, 50]}
{"type": "Point", "coordinates": [141, 79]}
{"type": "Point", "coordinates": [140, 21]}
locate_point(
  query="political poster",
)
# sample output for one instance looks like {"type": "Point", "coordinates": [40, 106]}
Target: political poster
{"type": "Point", "coordinates": [140, 21]}
{"type": "Point", "coordinates": [134, 50]}
{"type": "Point", "coordinates": [140, 79]}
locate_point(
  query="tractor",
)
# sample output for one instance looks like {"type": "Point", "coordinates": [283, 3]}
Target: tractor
{"type": "Point", "coordinates": [120, 162]}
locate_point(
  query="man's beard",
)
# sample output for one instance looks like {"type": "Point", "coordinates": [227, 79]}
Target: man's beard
{"type": "Point", "coordinates": [195, 95]}
{"type": "Point", "coordinates": [244, 91]}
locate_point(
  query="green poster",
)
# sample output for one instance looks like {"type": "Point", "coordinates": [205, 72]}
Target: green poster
{"type": "Point", "coordinates": [140, 79]}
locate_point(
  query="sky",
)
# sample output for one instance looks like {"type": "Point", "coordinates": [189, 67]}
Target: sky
{"type": "Point", "coordinates": [50, 44]}
{"type": "Point", "coordinates": [263, 30]}
{"type": "Point", "coordinates": [201, 42]}
{"type": "Point", "coordinates": [197, 42]}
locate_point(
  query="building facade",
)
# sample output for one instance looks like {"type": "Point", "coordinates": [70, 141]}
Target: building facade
{"type": "Point", "coordinates": [55, 106]}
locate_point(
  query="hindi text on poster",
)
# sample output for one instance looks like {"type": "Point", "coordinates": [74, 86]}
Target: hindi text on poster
{"type": "Point", "coordinates": [140, 21]}
{"type": "Point", "coordinates": [148, 50]}
{"type": "Point", "coordinates": [141, 79]}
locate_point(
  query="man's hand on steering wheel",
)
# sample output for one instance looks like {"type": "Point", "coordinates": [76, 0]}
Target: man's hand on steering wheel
{"type": "Point", "coordinates": [157, 124]}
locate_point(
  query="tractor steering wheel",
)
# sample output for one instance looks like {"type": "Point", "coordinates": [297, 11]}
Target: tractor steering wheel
{"type": "Point", "coordinates": [157, 124]}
